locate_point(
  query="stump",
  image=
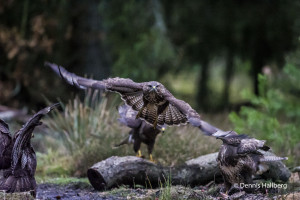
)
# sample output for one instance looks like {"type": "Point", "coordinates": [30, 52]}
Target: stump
{"type": "Point", "coordinates": [130, 170]}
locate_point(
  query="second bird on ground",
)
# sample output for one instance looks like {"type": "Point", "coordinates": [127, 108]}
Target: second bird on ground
{"type": "Point", "coordinates": [140, 132]}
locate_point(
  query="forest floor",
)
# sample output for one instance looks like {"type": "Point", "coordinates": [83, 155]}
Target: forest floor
{"type": "Point", "coordinates": [82, 190]}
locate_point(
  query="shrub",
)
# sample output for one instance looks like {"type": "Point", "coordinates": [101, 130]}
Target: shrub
{"type": "Point", "coordinates": [275, 114]}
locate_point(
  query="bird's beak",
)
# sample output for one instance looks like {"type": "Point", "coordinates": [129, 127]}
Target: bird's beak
{"type": "Point", "coordinates": [153, 88]}
{"type": "Point", "coordinates": [163, 129]}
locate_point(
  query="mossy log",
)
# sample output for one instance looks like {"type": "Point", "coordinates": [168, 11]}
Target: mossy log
{"type": "Point", "coordinates": [133, 171]}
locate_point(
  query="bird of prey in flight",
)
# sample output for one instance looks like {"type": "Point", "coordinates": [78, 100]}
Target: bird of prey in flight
{"type": "Point", "coordinates": [140, 132]}
{"type": "Point", "coordinates": [241, 157]}
{"type": "Point", "coordinates": [19, 175]}
{"type": "Point", "coordinates": [153, 102]}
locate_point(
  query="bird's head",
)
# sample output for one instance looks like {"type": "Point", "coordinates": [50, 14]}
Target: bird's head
{"type": "Point", "coordinates": [153, 87]}
{"type": "Point", "coordinates": [230, 140]}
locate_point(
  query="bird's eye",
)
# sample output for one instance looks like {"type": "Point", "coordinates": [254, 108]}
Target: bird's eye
{"type": "Point", "coordinates": [157, 85]}
{"type": "Point", "coordinates": [150, 86]}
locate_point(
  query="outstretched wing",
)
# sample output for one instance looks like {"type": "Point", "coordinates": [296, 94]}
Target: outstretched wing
{"type": "Point", "coordinates": [251, 145]}
{"type": "Point", "coordinates": [126, 87]}
{"type": "Point", "coordinates": [179, 111]}
{"type": "Point", "coordinates": [128, 117]}
{"type": "Point", "coordinates": [25, 133]}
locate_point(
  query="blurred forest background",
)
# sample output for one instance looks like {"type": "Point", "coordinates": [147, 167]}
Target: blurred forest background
{"type": "Point", "coordinates": [234, 57]}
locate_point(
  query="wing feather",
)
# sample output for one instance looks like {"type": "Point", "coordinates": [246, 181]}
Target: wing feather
{"type": "Point", "coordinates": [149, 113]}
{"type": "Point", "coordinates": [184, 111]}
{"type": "Point", "coordinates": [119, 85]}
{"type": "Point", "coordinates": [26, 130]}
{"type": "Point", "coordinates": [134, 99]}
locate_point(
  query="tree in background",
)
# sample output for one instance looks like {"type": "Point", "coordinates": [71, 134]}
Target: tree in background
{"type": "Point", "coordinates": [262, 32]}
{"type": "Point", "coordinates": [143, 40]}
{"type": "Point", "coordinates": [138, 40]}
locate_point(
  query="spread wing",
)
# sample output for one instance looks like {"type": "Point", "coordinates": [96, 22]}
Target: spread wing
{"type": "Point", "coordinates": [25, 133]}
{"type": "Point", "coordinates": [251, 145]}
{"type": "Point", "coordinates": [130, 91]}
{"type": "Point", "coordinates": [128, 117]}
{"type": "Point", "coordinates": [178, 111]}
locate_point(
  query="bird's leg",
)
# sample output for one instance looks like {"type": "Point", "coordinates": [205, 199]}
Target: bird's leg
{"type": "Point", "coordinates": [151, 158]}
{"type": "Point", "coordinates": [139, 154]}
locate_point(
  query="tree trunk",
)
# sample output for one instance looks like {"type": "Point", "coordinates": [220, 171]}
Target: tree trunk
{"type": "Point", "coordinates": [87, 39]}
{"type": "Point", "coordinates": [202, 94]}
{"type": "Point", "coordinates": [130, 170]}
{"type": "Point", "coordinates": [228, 74]}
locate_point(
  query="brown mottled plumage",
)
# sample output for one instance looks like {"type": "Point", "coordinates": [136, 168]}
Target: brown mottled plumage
{"type": "Point", "coordinates": [240, 158]}
{"type": "Point", "coordinates": [5, 145]}
{"type": "Point", "coordinates": [154, 103]}
{"type": "Point", "coordinates": [19, 177]}
{"type": "Point", "coordinates": [140, 132]}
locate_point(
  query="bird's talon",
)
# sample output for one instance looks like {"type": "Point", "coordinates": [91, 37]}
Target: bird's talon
{"type": "Point", "coordinates": [151, 158]}
{"type": "Point", "coordinates": [139, 154]}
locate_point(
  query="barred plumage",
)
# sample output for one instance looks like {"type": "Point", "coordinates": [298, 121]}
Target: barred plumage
{"type": "Point", "coordinates": [240, 158]}
{"type": "Point", "coordinates": [19, 177]}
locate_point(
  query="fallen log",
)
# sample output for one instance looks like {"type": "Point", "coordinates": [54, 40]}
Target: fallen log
{"type": "Point", "coordinates": [130, 170]}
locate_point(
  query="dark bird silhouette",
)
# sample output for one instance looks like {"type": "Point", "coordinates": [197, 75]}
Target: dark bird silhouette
{"type": "Point", "coordinates": [154, 103]}
{"type": "Point", "coordinates": [20, 175]}
{"type": "Point", "coordinates": [140, 132]}
{"type": "Point", "coordinates": [240, 157]}
{"type": "Point", "coordinates": [5, 145]}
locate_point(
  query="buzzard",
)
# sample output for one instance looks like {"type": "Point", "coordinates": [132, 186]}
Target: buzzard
{"type": "Point", "coordinates": [240, 157]}
{"type": "Point", "coordinates": [5, 145]}
{"type": "Point", "coordinates": [19, 177]}
{"type": "Point", "coordinates": [140, 132]}
{"type": "Point", "coordinates": [153, 102]}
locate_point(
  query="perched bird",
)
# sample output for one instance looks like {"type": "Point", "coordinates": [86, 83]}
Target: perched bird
{"type": "Point", "coordinates": [5, 145]}
{"type": "Point", "coordinates": [154, 103]}
{"type": "Point", "coordinates": [140, 132]}
{"type": "Point", "coordinates": [20, 175]}
{"type": "Point", "coordinates": [240, 157]}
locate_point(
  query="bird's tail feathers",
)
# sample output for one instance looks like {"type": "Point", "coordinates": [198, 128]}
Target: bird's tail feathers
{"type": "Point", "coordinates": [18, 184]}
{"type": "Point", "coordinates": [127, 140]}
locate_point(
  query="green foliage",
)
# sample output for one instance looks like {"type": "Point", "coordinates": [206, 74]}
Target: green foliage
{"type": "Point", "coordinates": [52, 163]}
{"type": "Point", "coordinates": [137, 41]}
{"type": "Point", "coordinates": [166, 190]}
{"type": "Point", "coordinates": [82, 182]}
{"type": "Point", "coordinates": [275, 114]}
